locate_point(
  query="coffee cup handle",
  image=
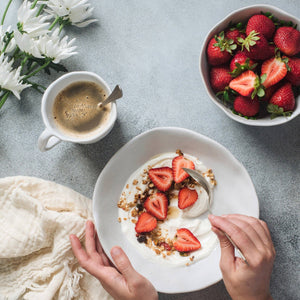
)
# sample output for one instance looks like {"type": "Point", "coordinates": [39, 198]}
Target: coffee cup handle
{"type": "Point", "coordinates": [47, 140]}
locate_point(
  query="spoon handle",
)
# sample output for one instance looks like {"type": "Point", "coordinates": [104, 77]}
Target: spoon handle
{"type": "Point", "coordinates": [115, 94]}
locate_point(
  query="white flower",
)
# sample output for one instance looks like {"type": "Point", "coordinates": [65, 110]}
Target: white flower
{"type": "Point", "coordinates": [10, 78]}
{"type": "Point", "coordinates": [12, 44]}
{"type": "Point", "coordinates": [47, 45]}
{"type": "Point", "coordinates": [56, 48]}
{"type": "Point", "coordinates": [32, 25]}
{"type": "Point", "coordinates": [27, 44]}
{"type": "Point", "coordinates": [75, 11]}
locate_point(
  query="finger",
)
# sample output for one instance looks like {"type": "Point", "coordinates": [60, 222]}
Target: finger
{"type": "Point", "coordinates": [249, 227]}
{"type": "Point", "coordinates": [77, 249]}
{"type": "Point", "coordinates": [227, 250]}
{"type": "Point", "coordinates": [123, 264]}
{"type": "Point", "coordinates": [240, 237]}
{"type": "Point", "coordinates": [260, 227]}
{"type": "Point", "coordinates": [90, 244]}
{"type": "Point", "coordinates": [106, 261]}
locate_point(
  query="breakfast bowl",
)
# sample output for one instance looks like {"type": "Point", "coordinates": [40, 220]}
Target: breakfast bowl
{"type": "Point", "coordinates": [234, 193]}
{"type": "Point", "coordinates": [242, 15]}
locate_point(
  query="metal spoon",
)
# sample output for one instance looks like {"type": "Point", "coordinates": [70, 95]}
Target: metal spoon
{"type": "Point", "coordinates": [115, 94]}
{"type": "Point", "coordinates": [203, 182]}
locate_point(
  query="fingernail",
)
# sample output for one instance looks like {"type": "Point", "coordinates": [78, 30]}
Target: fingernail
{"type": "Point", "coordinates": [211, 217]}
{"type": "Point", "coordinates": [116, 251]}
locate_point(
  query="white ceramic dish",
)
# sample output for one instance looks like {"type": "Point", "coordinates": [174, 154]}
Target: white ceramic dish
{"type": "Point", "coordinates": [234, 193]}
{"type": "Point", "coordinates": [242, 15]}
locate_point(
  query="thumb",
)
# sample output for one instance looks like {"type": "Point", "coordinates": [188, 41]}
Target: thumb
{"type": "Point", "coordinates": [123, 264]}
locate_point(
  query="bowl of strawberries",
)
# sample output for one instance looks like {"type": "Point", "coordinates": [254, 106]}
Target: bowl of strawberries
{"type": "Point", "coordinates": [250, 65]}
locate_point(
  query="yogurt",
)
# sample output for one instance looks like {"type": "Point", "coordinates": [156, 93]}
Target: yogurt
{"type": "Point", "coordinates": [193, 217]}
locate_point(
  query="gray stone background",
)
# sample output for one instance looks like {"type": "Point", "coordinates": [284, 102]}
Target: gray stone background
{"type": "Point", "coordinates": [151, 48]}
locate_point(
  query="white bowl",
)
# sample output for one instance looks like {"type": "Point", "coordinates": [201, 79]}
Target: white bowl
{"type": "Point", "coordinates": [234, 193]}
{"type": "Point", "coordinates": [242, 15]}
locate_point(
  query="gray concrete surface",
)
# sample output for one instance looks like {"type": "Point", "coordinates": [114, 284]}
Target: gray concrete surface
{"type": "Point", "coordinates": [151, 48]}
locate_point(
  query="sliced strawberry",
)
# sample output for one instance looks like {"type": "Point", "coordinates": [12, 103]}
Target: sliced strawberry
{"type": "Point", "coordinates": [162, 178]}
{"type": "Point", "coordinates": [246, 106]}
{"type": "Point", "coordinates": [275, 69]}
{"type": "Point", "coordinates": [244, 84]}
{"type": "Point", "coordinates": [185, 241]}
{"type": "Point", "coordinates": [186, 197]}
{"type": "Point", "coordinates": [178, 163]}
{"type": "Point", "coordinates": [157, 205]}
{"type": "Point", "coordinates": [145, 223]}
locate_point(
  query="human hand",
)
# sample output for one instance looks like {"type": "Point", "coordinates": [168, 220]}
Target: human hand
{"type": "Point", "coordinates": [122, 282]}
{"type": "Point", "coordinates": [245, 281]}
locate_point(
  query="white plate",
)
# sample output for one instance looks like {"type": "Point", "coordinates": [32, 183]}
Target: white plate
{"type": "Point", "coordinates": [234, 193]}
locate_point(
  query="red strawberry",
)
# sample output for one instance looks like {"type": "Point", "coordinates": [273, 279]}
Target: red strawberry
{"type": "Point", "coordinates": [262, 25]}
{"type": "Point", "coordinates": [275, 70]}
{"type": "Point", "coordinates": [186, 197]}
{"type": "Point", "coordinates": [256, 46]}
{"type": "Point", "coordinates": [219, 50]}
{"type": "Point", "coordinates": [162, 178]}
{"type": "Point", "coordinates": [157, 205]}
{"type": "Point", "coordinates": [270, 91]}
{"type": "Point", "coordinates": [233, 34]}
{"type": "Point", "coordinates": [145, 223]}
{"type": "Point", "coordinates": [178, 163]}
{"type": "Point", "coordinates": [284, 97]}
{"type": "Point", "coordinates": [293, 76]}
{"type": "Point", "coordinates": [185, 241]}
{"type": "Point", "coordinates": [219, 78]}
{"type": "Point", "coordinates": [245, 83]}
{"type": "Point", "coordinates": [246, 106]}
{"type": "Point", "coordinates": [241, 63]}
{"type": "Point", "coordinates": [287, 40]}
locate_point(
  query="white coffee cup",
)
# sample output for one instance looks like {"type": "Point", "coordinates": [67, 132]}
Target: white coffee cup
{"type": "Point", "coordinates": [52, 135]}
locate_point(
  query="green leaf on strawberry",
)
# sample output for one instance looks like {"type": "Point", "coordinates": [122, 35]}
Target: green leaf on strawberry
{"type": "Point", "coordinates": [279, 23]}
{"type": "Point", "coordinates": [277, 111]}
{"type": "Point", "coordinates": [224, 43]}
{"type": "Point", "coordinates": [241, 68]}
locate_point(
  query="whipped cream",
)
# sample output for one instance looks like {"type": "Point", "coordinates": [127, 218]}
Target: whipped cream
{"type": "Point", "coordinates": [192, 217]}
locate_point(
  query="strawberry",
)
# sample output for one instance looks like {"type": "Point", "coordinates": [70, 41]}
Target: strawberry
{"type": "Point", "coordinates": [219, 78]}
{"type": "Point", "coordinates": [256, 46]}
{"type": "Point", "coordinates": [145, 223]}
{"type": "Point", "coordinates": [178, 163]}
{"type": "Point", "coordinates": [185, 241]}
{"type": "Point", "coordinates": [262, 25]}
{"type": "Point", "coordinates": [275, 69]}
{"type": "Point", "coordinates": [244, 84]}
{"type": "Point", "coordinates": [270, 91]}
{"type": "Point", "coordinates": [157, 205]}
{"type": "Point", "coordinates": [162, 178]}
{"type": "Point", "coordinates": [186, 197]}
{"type": "Point", "coordinates": [287, 40]}
{"type": "Point", "coordinates": [293, 76]}
{"type": "Point", "coordinates": [219, 50]}
{"type": "Point", "coordinates": [284, 98]}
{"type": "Point", "coordinates": [240, 63]}
{"type": "Point", "coordinates": [233, 34]}
{"type": "Point", "coordinates": [246, 106]}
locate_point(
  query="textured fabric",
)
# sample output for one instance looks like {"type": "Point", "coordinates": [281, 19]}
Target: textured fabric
{"type": "Point", "coordinates": [36, 260]}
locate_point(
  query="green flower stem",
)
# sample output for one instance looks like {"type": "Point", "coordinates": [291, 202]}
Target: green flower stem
{"type": "Point", "coordinates": [33, 66]}
{"type": "Point", "coordinates": [40, 10]}
{"type": "Point", "coordinates": [24, 62]}
{"type": "Point", "coordinates": [34, 4]}
{"type": "Point", "coordinates": [4, 98]}
{"type": "Point", "coordinates": [6, 44]}
{"type": "Point", "coordinates": [37, 70]}
{"type": "Point", "coordinates": [54, 22]}
{"type": "Point", "coordinates": [5, 12]}
{"type": "Point", "coordinates": [61, 27]}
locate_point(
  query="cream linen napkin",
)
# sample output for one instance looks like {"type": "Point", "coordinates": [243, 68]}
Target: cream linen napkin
{"type": "Point", "coordinates": [36, 260]}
